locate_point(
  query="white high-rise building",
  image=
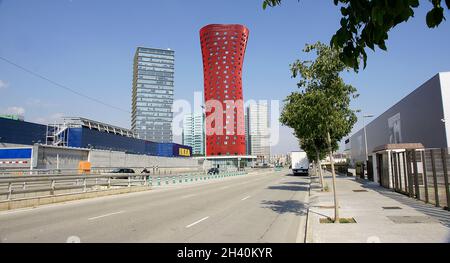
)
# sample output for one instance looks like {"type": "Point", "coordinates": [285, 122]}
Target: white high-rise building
{"type": "Point", "coordinates": [193, 132]}
{"type": "Point", "coordinates": [257, 130]}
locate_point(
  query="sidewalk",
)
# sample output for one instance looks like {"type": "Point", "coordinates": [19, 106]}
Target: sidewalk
{"type": "Point", "coordinates": [381, 215]}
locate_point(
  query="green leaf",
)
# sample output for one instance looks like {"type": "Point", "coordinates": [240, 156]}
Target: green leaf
{"type": "Point", "coordinates": [435, 17]}
{"type": "Point", "coordinates": [415, 3]}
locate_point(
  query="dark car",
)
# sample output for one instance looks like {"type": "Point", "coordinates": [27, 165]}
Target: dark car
{"type": "Point", "coordinates": [122, 171]}
{"type": "Point", "coordinates": [213, 171]}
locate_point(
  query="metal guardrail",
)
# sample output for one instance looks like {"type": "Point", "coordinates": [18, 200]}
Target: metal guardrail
{"type": "Point", "coordinates": [152, 169]}
{"type": "Point", "coordinates": [13, 186]}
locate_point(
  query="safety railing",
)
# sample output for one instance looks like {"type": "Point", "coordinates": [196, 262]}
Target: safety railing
{"type": "Point", "coordinates": [157, 170]}
{"type": "Point", "coordinates": [33, 186]}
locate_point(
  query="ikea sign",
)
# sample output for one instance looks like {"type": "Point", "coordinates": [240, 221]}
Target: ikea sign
{"type": "Point", "coordinates": [184, 152]}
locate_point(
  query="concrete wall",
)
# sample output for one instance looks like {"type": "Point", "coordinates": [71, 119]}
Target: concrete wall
{"type": "Point", "coordinates": [50, 157]}
{"type": "Point", "coordinates": [99, 158]}
{"type": "Point", "coordinates": [59, 158]}
{"type": "Point", "coordinates": [414, 119]}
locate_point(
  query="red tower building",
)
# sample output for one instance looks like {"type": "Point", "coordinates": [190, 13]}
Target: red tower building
{"type": "Point", "coordinates": [223, 50]}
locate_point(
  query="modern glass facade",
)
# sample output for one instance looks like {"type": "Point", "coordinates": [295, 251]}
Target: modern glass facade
{"type": "Point", "coordinates": [193, 132]}
{"type": "Point", "coordinates": [152, 100]}
{"type": "Point", "coordinates": [258, 132]}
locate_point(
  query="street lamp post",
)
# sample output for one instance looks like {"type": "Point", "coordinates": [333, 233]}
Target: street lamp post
{"type": "Point", "coordinates": [204, 129]}
{"type": "Point", "coordinates": [365, 135]}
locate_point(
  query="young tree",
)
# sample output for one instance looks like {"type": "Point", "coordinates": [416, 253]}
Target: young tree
{"type": "Point", "coordinates": [366, 23]}
{"type": "Point", "coordinates": [320, 114]}
{"type": "Point", "coordinates": [302, 113]}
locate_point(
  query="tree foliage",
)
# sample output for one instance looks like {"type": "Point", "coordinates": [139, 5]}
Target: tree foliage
{"type": "Point", "coordinates": [322, 105]}
{"type": "Point", "coordinates": [320, 113]}
{"type": "Point", "coordinates": [366, 23]}
{"type": "Point", "coordinates": [298, 113]}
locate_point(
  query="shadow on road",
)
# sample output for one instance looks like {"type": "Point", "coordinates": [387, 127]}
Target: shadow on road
{"type": "Point", "coordinates": [288, 188]}
{"type": "Point", "coordinates": [299, 176]}
{"type": "Point", "coordinates": [287, 206]}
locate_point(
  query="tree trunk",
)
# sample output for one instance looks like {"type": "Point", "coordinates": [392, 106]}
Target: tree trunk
{"type": "Point", "coordinates": [320, 169]}
{"type": "Point", "coordinates": [333, 175]}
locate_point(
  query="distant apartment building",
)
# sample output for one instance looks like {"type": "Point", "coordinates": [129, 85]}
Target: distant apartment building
{"type": "Point", "coordinates": [152, 99]}
{"type": "Point", "coordinates": [257, 130]}
{"type": "Point", "coordinates": [193, 132]}
{"type": "Point", "coordinates": [282, 159]}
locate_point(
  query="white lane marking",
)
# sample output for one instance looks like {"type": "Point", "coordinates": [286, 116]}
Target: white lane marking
{"type": "Point", "coordinates": [196, 222]}
{"type": "Point", "coordinates": [110, 214]}
{"type": "Point", "coordinates": [245, 198]}
{"type": "Point", "coordinates": [224, 187]}
{"type": "Point", "coordinates": [187, 196]}
{"type": "Point", "coordinates": [73, 239]}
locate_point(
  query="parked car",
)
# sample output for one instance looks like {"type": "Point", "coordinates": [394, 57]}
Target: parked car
{"type": "Point", "coordinates": [122, 171]}
{"type": "Point", "coordinates": [213, 171]}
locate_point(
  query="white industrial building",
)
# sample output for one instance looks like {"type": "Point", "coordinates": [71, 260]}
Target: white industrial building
{"type": "Point", "coordinates": [422, 117]}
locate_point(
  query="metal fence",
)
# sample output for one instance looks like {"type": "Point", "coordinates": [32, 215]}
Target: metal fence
{"type": "Point", "coordinates": [422, 174]}
{"type": "Point", "coordinates": [155, 170]}
{"type": "Point", "coordinates": [14, 187]}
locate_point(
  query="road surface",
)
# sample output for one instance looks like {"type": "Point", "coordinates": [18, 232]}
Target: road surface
{"type": "Point", "coordinates": [267, 206]}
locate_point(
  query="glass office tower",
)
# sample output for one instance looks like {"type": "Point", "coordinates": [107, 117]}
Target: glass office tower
{"type": "Point", "coordinates": [258, 132]}
{"type": "Point", "coordinates": [152, 100]}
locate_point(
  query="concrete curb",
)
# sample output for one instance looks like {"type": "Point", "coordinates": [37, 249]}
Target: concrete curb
{"type": "Point", "coordinates": [309, 223]}
{"type": "Point", "coordinates": [304, 224]}
{"type": "Point", "coordinates": [308, 234]}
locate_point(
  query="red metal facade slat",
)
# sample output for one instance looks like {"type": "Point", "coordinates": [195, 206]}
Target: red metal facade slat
{"type": "Point", "coordinates": [223, 51]}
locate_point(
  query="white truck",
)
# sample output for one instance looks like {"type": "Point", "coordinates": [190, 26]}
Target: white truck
{"type": "Point", "coordinates": [300, 163]}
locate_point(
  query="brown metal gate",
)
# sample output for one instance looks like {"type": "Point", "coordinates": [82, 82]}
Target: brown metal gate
{"type": "Point", "coordinates": [422, 174]}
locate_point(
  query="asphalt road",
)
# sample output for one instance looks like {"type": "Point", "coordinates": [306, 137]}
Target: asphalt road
{"type": "Point", "coordinates": [264, 207]}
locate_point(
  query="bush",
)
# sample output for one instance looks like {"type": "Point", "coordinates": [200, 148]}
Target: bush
{"type": "Point", "coordinates": [341, 168]}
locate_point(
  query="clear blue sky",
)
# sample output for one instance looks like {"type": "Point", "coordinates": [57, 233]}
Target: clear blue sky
{"type": "Point", "coordinates": [88, 45]}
